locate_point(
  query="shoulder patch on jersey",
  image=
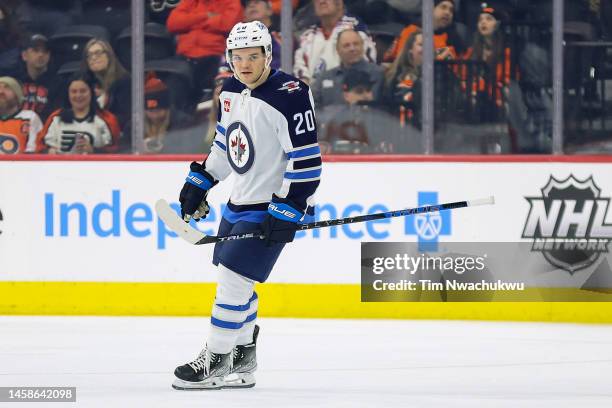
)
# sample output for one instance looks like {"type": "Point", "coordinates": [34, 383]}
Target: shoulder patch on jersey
{"type": "Point", "coordinates": [290, 86]}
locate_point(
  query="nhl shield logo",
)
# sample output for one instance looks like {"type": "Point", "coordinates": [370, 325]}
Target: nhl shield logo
{"type": "Point", "coordinates": [567, 223]}
{"type": "Point", "coordinates": [240, 151]}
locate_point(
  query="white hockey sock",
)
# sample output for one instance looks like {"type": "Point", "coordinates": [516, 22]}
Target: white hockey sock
{"type": "Point", "coordinates": [246, 332]}
{"type": "Point", "coordinates": [230, 310]}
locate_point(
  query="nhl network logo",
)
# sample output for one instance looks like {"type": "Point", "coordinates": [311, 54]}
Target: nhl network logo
{"type": "Point", "coordinates": [567, 223]}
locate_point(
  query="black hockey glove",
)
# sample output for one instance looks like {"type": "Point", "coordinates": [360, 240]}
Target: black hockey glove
{"type": "Point", "coordinates": [194, 192]}
{"type": "Point", "coordinates": [280, 223]}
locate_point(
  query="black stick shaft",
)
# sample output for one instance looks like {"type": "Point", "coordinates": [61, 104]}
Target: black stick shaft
{"type": "Point", "coordinates": [347, 220]}
{"type": "Point", "coordinates": [388, 214]}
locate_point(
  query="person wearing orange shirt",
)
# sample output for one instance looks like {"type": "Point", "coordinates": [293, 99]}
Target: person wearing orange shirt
{"type": "Point", "coordinates": [447, 43]}
{"type": "Point", "coordinates": [18, 127]}
{"type": "Point", "coordinates": [201, 27]}
{"type": "Point", "coordinates": [403, 80]}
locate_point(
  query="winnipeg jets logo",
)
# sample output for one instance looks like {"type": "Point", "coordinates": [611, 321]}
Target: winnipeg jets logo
{"type": "Point", "coordinates": [290, 86]}
{"type": "Point", "coordinates": [238, 147]}
{"type": "Point", "coordinates": [240, 151]}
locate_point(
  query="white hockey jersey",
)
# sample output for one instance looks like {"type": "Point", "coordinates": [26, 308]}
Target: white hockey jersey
{"type": "Point", "coordinates": [317, 51]}
{"type": "Point", "coordinates": [267, 137]}
{"type": "Point", "coordinates": [102, 131]}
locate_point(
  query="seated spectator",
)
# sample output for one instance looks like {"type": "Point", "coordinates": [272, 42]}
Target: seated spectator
{"type": "Point", "coordinates": [9, 42]}
{"type": "Point", "coordinates": [41, 88]}
{"type": "Point", "coordinates": [326, 87]}
{"type": "Point", "coordinates": [166, 130]}
{"type": "Point", "coordinates": [489, 47]}
{"type": "Point", "coordinates": [202, 27]}
{"type": "Point", "coordinates": [447, 43]}
{"type": "Point", "coordinates": [113, 90]}
{"type": "Point", "coordinates": [357, 127]}
{"type": "Point", "coordinates": [261, 10]}
{"type": "Point", "coordinates": [80, 126]}
{"type": "Point", "coordinates": [18, 127]}
{"type": "Point", "coordinates": [403, 80]}
{"type": "Point", "coordinates": [317, 46]}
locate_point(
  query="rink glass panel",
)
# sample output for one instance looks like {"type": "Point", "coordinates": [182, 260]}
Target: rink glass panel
{"type": "Point", "coordinates": [504, 107]}
{"type": "Point", "coordinates": [587, 86]}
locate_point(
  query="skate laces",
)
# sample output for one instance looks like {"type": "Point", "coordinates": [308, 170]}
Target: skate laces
{"type": "Point", "coordinates": [199, 364]}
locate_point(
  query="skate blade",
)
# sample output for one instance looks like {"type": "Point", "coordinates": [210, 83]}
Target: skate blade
{"type": "Point", "coordinates": [239, 380]}
{"type": "Point", "coordinates": [210, 384]}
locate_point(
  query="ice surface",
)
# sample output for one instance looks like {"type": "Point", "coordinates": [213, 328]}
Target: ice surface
{"type": "Point", "coordinates": [128, 362]}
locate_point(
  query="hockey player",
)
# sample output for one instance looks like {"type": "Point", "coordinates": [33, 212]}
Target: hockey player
{"type": "Point", "coordinates": [266, 136]}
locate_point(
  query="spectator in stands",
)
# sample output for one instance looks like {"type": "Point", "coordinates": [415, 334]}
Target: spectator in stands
{"type": "Point", "coordinates": [166, 130]}
{"type": "Point", "coordinates": [403, 80]}
{"type": "Point", "coordinates": [261, 10]}
{"type": "Point", "coordinates": [317, 46]}
{"type": "Point", "coordinates": [355, 126]}
{"type": "Point", "coordinates": [9, 42]}
{"type": "Point", "coordinates": [18, 127]}
{"type": "Point", "coordinates": [41, 88]}
{"type": "Point", "coordinates": [447, 43]}
{"type": "Point", "coordinates": [202, 26]}
{"type": "Point", "coordinates": [113, 89]}
{"type": "Point", "coordinates": [326, 85]}
{"type": "Point", "coordinates": [80, 126]}
{"type": "Point", "coordinates": [489, 47]}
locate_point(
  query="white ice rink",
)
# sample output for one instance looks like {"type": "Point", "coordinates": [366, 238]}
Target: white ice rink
{"type": "Point", "coordinates": [128, 362]}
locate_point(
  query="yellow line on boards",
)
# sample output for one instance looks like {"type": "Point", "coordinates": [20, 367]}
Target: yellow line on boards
{"type": "Point", "coordinates": [275, 300]}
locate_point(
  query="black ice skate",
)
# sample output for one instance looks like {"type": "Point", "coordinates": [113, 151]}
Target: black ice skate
{"type": "Point", "coordinates": [204, 373]}
{"type": "Point", "coordinates": [244, 365]}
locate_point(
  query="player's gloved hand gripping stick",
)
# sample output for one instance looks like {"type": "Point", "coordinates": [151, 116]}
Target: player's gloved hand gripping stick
{"type": "Point", "coordinates": [194, 192]}
{"type": "Point", "coordinates": [281, 221]}
{"type": "Point", "coordinates": [193, 236]}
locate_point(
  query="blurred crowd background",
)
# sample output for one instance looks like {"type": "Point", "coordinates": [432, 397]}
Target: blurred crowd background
{"type": "Point", "coordinates": [65, 74]}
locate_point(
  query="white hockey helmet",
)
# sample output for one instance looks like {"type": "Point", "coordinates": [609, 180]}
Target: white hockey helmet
{"type": "Point", "coordinates": [246, 35]}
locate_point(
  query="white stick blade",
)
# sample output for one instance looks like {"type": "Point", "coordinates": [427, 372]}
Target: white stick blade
{"type": "Point", "coordinates": [176, 224]}
{"type": "Point", "coordinates": [482, 201]}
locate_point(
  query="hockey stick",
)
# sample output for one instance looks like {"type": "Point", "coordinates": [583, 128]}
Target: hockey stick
{"type": "Point", "coordinates": [193, 236]}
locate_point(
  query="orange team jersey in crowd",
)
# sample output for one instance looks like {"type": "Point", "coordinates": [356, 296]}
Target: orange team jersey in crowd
{"type": "Point", "coordinates": [406, 113]}
{"type": "Point", "coordinates": [103, 133]}
{"type": "Point", "coordinates": [18, 132]}
{"type": "Point", "coordinates": [502, 77]}
{"type": "Point", "coordinates": [440, 41]}
{"type": "Point", "coordinates": [202, 26]}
